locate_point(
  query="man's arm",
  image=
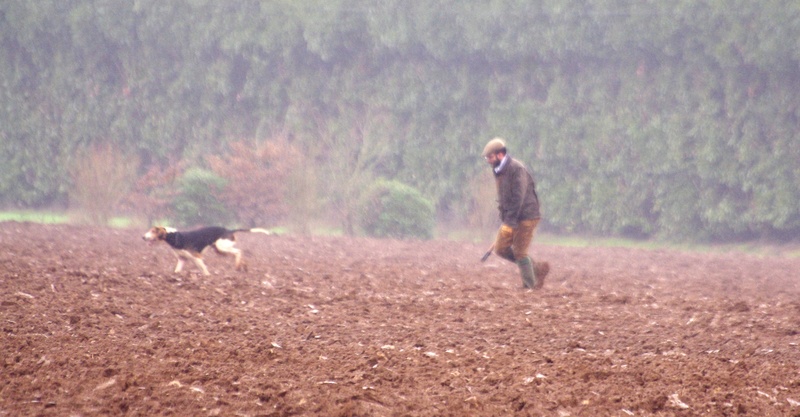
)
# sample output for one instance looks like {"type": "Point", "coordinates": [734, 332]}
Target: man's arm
{"type": "Point", "coordinates": [513, 196]}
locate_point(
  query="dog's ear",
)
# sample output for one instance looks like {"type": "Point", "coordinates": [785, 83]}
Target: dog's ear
{"type": "Point", "coordinates": [160, 232]}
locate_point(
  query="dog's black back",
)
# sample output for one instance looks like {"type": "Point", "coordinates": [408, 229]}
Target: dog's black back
{"type": "Point", "coordinates": [197, 240]}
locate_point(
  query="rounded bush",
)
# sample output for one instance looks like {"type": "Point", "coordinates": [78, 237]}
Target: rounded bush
{"type": "Point", "coordinates": [197, 202]}
{"type": "Point", "coordinates": [395, 210]}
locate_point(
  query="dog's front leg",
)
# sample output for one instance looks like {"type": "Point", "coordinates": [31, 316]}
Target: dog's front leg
{"type": "Point", "coordinates": [200, 264]}
{"type": "Point", "coordinates": [226, 247]}
{"type": "Point", "coordinates": [181, 256]}
{"type": "Point", "coordinates": [179, 266]}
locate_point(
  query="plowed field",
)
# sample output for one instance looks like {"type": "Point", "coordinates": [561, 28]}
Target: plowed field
{"type": "Point", "coordinates": [94, 323]}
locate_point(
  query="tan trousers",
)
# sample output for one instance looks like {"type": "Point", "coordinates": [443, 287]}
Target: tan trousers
{"type": "Point", "coordinates": [515, 246]}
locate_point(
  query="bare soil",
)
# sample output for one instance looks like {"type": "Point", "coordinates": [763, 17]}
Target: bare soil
{"type": "Point", "coordinates": [95, 323]}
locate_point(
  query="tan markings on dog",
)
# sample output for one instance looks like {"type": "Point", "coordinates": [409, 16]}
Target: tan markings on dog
{"type": "Point", "coordinates": [156, 233]}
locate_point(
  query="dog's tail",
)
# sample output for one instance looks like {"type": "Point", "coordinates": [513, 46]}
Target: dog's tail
{"type": "Point", "coordinates": [254, 230]}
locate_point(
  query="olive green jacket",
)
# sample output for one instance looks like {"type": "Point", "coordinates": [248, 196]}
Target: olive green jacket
{"type": "Point", "coordinates": [516, 194]}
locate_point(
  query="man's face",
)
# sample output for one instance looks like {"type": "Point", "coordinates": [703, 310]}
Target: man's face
{"type": "Point", "coordinates": [494, 159]}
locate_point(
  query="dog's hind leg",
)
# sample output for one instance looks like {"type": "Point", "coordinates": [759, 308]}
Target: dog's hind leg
{"type": "Point", "coordinates": [226, 247]}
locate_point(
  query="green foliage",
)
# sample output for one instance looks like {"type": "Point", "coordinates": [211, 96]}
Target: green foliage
{"type": "Point", "coordinates": [670, 119]}
{"type": "Point", "coordinates": [43, 217]}
{"type": "Point", "coordinates": [198, 200]}
{"type": "Point", "coordinates": [395, 210]}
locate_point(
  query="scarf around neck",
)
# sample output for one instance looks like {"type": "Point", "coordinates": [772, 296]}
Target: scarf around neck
{"type": "Point", "coordinates": [502, 165]}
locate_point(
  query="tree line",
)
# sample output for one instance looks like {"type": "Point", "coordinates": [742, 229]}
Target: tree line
{"type": "Point", "coordinates": [649, 119]}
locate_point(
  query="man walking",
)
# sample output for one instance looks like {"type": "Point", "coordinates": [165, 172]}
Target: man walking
{"type": "Point", "coordinates": [519, 213]}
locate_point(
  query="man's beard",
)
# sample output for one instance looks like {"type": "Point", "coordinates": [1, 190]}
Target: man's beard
{"type": "Point", "coordinates": [497, 163]}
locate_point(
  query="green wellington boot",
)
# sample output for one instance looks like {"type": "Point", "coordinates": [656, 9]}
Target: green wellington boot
{"type": "Point", "coordinates": [526, 271]}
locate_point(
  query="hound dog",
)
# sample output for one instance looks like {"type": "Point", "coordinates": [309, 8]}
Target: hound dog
{"type": "Point", "coordinates": [190, 245]}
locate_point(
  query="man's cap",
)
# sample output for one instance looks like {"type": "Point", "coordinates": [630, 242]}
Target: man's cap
{"type": "Point", "coordinates": [495, 145]}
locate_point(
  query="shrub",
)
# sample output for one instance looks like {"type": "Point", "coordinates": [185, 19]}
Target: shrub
{"type": "Point", "coordinates": [198, 202]}
{"type": "Point", "coordinates": [393, 209]}
{"type": "Point", "coordinates": [101, 177]}
{"type": "Point", "coordinates": [152, 196]}
{"type": "Point", "coordinates": [257, 177]}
